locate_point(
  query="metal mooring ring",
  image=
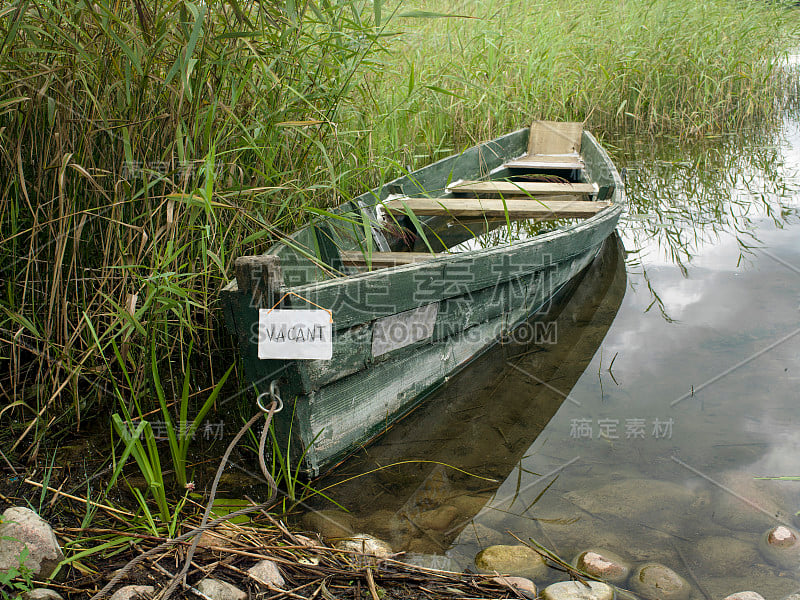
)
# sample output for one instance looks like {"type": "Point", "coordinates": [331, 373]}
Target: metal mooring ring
{"type": "Point", "coordinates": [273, 395]}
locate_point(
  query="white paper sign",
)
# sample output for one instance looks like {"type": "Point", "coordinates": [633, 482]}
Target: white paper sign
{"type": "Point", "coordinates": [295, 334]}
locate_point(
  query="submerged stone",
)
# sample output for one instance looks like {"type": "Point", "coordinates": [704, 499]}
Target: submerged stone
{"type": "Point", "coordinates": [658, 582]}
{"type": "Point", "coordinates": [575, 590]}
{"type": "Point", "coordinates": [643, 500]}
{"type": "Point", "coordinates": [523, 585]}
{"type": "Point", "coordinates": [483, 535]}
{"type": "Point", "coordinates": [439, 518]}
{"type": "Point", "coordinates": [752, 502]}
{"type": "Point", "coordinates": [722, 555]}
{"type": "Point", "coordinates": [781, 546]}
{"type": "Point", "coordinates": [468, 506]}
{"type": "Point", "coordinates": [603, 564]}
{"type": "Point", "coordinates": [426, 545]}
{"type": "Point", "coordinates": [519, 560]}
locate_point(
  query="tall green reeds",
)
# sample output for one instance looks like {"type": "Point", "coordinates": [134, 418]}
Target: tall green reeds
{"type": "Point", "coordinates": [143, 146]}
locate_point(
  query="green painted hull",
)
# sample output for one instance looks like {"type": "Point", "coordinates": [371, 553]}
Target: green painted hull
{"type": "Point", "coordinates": [458, 305]}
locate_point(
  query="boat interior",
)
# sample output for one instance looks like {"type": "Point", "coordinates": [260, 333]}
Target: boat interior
{"type": "Point", "coordinates": [546, 186]}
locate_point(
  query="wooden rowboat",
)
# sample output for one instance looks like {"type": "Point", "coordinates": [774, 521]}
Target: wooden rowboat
{"type": "Point", "coordinates": [406, 284]}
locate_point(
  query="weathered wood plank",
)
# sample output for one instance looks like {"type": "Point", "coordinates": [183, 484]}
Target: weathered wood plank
{"type": "Point", "coordinates": [553, 137]}
{"type": "Point", "coordinates": [384, 259]}
{"type": "Point", "coordinates": [521, 188]}
{"type": "Point", "coordinates": [541, 161]}
{"type": "Point", "coordinates": [565, 206]}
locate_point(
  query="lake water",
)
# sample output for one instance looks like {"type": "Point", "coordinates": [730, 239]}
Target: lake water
{"type": "Point", "coordinates": [658, 390]}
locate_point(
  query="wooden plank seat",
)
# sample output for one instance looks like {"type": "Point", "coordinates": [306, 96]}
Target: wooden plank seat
{"type": "Point", "coordinates": [554, 207]}
{"type": "Point", "coordinates": [567, 162]}
{"type": "Point", "coordinates": [521, 188]}
{"type": "Point", "coordinates": [552, 145]}
{"type": "Point", "coordinates": [357, 258]}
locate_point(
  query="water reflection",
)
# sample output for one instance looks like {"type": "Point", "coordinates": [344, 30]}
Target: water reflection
{"type": "Point", "coordinates": [684, 197]}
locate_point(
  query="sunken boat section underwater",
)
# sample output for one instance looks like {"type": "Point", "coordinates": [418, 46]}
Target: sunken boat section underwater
{"type": "Point", "coordinates": [417, 278]}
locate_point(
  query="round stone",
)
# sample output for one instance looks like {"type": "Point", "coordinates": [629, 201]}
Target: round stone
{"type": "Point", "coordinates": [657, 582]}
{"type": "Point", "coordinates": [22, 530]}
{"type": "Point", "coordinates": [781, 537]}
{"type": "Point", "coordinates": [575, 590]}
{"type": "Point", "coordinates": [221, 590]}
{"type": "Point", "coordinates": [520, 561]}
{"type": "Point", "coordinates": [521, 584]}
{"type": "Point", "coordinates": [439, 518]}
{"type": "Point", "coordinates": [781, 547]}
{"type": "Point", "coordinates": [603, 564]}
{"type": "Point", "coordinates": [745, 596]}
{"type": "Point", "coordinates": [267, 572]}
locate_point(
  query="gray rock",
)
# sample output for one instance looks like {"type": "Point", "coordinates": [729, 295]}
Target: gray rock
{"type": "Point", "coordinates": [21, 529]}
{"type": "Point", "coordinates": [518, 560]}
{"type": "Point", "coordinates": [41, 594]}
{"type": "Point", "coordinates": [133, 592]}
{"type": "Point", "coordinates": [793, 596]}
{"type": "Point", "coordinates": [657, 582]}
{"type": "Point", "coordinates": [722, 555]}
{"type": "Point", "coordinates": [575, 590]}
{"type": "Point", "coordinates": [364, 543]}
{"type": "Point", "coordinates": [781, 546]}
{"type": "Point", "coordinates": [267, 572]}
{"type": "Point", "coordinates": [603, 564]}
{"type": "Point", "coordinates": [437, 562]}
{"type": "Point", "coordinates": [220, 590]}
{"type": "Point", "coordinates": [745, 596]}
{"type": "Point", "coordinates": [330, 524]}
{"type": "Point", "coordinates": [523, 585]}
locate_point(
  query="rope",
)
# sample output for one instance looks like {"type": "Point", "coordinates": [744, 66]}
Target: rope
{"type": "Point", "coordinates": [287, 294]}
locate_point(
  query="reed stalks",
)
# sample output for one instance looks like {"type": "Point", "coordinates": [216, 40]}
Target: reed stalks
{"type": "Point", "coordinates": [144, 146]}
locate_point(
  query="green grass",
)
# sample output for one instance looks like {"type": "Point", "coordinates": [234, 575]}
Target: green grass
{"type": "Point", "coordinates": [144, 146]}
